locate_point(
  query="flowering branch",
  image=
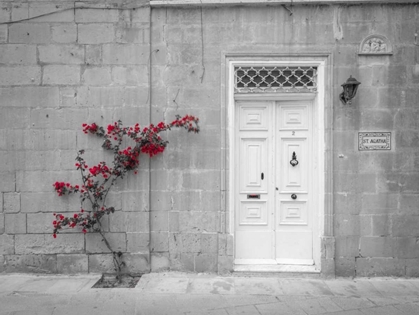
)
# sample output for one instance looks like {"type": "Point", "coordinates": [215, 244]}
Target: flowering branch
{"type": "Point", "coordinates": [98, 180]}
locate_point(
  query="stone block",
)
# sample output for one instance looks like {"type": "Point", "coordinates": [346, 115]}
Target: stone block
{"type": "Point", "coordinates": [376, 246]}
{"type": "Point", "coordinates": [136, 263]}
{"type": "Point", "coordinates": [173, 221]}
{"type": "Point", "coordinates": [347, 203]}
{"type": "Point", "coordinates": [198, 221]}
{"type": "Point", "coordinates": [379, 203]}
{"type": "Point", "coordinates": [1, 223]}
{"type": "Point", "coordinates": [45, 244]}
{"type": "Point", "coordinates": [93, 55]}
{"type": "Point", "coordinates": [354, 183]}
{"type": "Point", "coordinates": [95, 244]}
{"type": "Point", "coordinates": [18, 54]}
{"type": "Point", "coordinates": [15, 223]}
{"type": "Point", "coordinates": [184, 242]}
{"type": "Point", "coordinates": [29, 75]}
{"type": "Point", "coordinates": [412, 267]}
{"type": "Point", "coordinates": [186, 262]}
{"type": "Point", "coordinates": [61, 75]}
{"type": "Point", "coordinates": [72, 263]}
{"type": "Point", "coordinates": [8, 182]}
{"type": "Point", "coordinates": [121, 221]}
{"type": "Point", "coordinates": [97, 76]}
{"type": "Point", "coordinates": [406, 139]}
{"type": "Point", "coordinates": [16, 118]}
{"type": "Point", "coordinates": [101, 263]}
{"type": "Point", "coordinates": [380, 267]}
{"type": "Point", "coordinates": [138, 242]}
{"type": "Point", "coordinates": [222, 244]}
{"type": "Point", "coordinates": [30, 181]}
{"type": "Point", "coordinates": [406, 247]}
{"type": "Point", "coordinates": [209, 243]}
{"type": "Point", "coordinates": [29, 33]}
{"type": "Point", "coordinates": [48, 202]}
{"type": "Point", "coordinates": [159, 242]}
{"type": "Point", "coordinates": [127, 76]}
{"type": "Point", "coordinates": [20, 11]}
{"type": "Point", "coordinates": [38, 8]}
{"type": "Point", "coordinates": [30, 97]}
{"type": "Point", "coordinates": [347, 246]}
{"type": "Point", "coordinates": [135, 200]}
{"type": "Point", "coordinates": [7, 244]}
{"type": "Point", "coordinates": [11, 202]}
{"type": "Point", "coordinates": [328, 247]}
{"type": "Point", "coordinates": [41, 223]}
{"type": "Point", "coordinates": [31, 263]}
{"type": "Point", "coordinates": [61, 54]}
{"type": "Point", "coordinates": [159, 221]}
{"type": "Point", "coordinates": [3, 34]}
{"type": "Point", "coordinates": [346, 224]}
{"type": "Point", "coordinates": [95, 33]}
{"type": "Point", "coordinates": [409, 204]}
{"type": "Point", "coordinates": [381, 225]}
{"type": "Point", "coordinates": [206, 263]}
{"type": "Point", "coordinates": [125, 54]}
{"type": "Point", "coordinates": [160, 262]}
{"type": "Point", "coordinates": [345, 267]}
{"type": "Point", "coordinates": [64, 33]}
{"type": "Point", "coordinates": [405, 225]}
{"type": "Point", "coordinates": [107, 15]}
{"type": "Point", "coordinates": [135, 34]}
{"type": "Point", "coordinates": [224, 265]}
{"type": "Point", "coordinates": [107, 97]}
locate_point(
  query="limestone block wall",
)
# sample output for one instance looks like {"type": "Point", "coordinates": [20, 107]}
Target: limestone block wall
{"type": "Point", "coordinates": [58, 71]}
{"type": "Point", "coordinates": [113, 61]}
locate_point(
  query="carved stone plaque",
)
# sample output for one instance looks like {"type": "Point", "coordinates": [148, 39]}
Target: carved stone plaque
{"type": "Point", "coordinates": [373, 141]}
{"type": "Point", "coordinates": [375, 45]}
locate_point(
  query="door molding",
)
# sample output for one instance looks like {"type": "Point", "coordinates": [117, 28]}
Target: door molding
{"type": "Point", "coordinates": [323, 117]}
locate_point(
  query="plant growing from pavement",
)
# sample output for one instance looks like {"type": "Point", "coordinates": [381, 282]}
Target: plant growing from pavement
{"type": "Point", "coordinates": [97, 180]}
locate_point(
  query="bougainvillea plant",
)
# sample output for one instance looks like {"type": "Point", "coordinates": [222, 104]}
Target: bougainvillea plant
{"type": "Point", "coordinates": [97, 180]}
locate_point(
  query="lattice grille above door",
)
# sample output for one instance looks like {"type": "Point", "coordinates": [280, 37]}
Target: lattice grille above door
{"type": "Point", "coordinates": [275, 79]}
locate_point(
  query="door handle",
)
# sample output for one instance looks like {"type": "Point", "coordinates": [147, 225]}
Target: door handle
{"type": "Point", "coordinates": [262, 176]}
{"type": "Point", "coordinates": [293, 196]}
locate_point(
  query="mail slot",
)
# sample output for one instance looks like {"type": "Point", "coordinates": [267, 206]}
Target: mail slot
{"type": "Point", "coordinates": [253, 196]}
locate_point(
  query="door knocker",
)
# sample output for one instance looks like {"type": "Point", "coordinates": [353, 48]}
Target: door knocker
{"type": "Point", "coordinates": [293, 161]}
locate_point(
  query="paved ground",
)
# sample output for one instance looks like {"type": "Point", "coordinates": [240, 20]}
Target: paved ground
{"type": "Point", "coordinates": [181, 293]}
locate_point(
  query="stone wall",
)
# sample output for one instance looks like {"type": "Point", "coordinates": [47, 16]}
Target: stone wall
{"type": "Point", "coordinates": [105, 62]}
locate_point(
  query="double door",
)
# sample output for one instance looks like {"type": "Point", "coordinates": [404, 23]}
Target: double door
{"type": "Point", "coordinates": [274, 208]}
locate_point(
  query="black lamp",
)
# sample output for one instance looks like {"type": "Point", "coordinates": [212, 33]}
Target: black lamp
{"type": "Point", "coordinates": [349, 90]}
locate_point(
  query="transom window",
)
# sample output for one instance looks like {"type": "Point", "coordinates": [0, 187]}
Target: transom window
{"type": "Point", "coordinates": [277, 79]}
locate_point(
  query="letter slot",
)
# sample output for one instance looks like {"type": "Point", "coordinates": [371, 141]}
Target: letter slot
{"type": "Point", "coordinates": [254, 196]}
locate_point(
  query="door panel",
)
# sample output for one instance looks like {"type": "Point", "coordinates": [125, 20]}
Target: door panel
{"type": "Point", "coordinates": [253, 162]}
{"type": "Point", "coordinates": [273, 204]}
{"type": "Point", "coordinates": [254, 208]}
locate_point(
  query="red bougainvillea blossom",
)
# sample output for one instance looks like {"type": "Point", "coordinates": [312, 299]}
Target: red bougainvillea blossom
{"type": "Point", "coordinates": [98, 179]}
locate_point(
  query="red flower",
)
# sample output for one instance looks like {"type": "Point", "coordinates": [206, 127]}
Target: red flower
{"type": "Point", "coordinates": [84, 231]}
{"type": "Point", "coordinates": [75, 216]}
{"type": "Point", "coordinates": [55, 235]}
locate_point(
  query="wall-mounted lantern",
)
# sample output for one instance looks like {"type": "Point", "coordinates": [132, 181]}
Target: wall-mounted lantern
{"type": "Point", "coordinates": [349, 90]}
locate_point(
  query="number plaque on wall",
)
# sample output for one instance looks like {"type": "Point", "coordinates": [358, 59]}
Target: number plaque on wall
{"type": "Point", "coordinates": [373, 141]}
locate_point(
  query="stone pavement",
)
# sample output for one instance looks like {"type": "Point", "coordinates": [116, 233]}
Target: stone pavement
{"type": "Point", "coordinates": [198, 294]}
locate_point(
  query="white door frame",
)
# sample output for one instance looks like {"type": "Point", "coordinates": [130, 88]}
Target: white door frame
{"type": "Point", "coordinates": [322, 221]}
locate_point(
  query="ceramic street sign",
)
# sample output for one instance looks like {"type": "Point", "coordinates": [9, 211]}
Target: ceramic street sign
{"type": "Point", "coordinates": [372, 141]}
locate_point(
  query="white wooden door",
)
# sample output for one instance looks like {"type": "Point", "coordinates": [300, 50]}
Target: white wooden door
{"type": "Point", "coordinates": [274, 214]}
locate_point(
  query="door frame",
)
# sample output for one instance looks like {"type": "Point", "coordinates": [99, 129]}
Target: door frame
{"type": "Point", "coordinates": [323, 224]}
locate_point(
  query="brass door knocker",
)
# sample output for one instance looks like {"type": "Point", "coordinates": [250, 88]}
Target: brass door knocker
{"type": "Point", "coordinates": [293, 161]}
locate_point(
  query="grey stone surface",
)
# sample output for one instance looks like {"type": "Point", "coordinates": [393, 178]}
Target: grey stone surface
{"type": "Point", "coordinates": [196, 294]}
